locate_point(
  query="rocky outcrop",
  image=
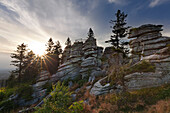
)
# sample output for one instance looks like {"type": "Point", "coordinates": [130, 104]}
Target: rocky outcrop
{"type": "Point", "coordinates": [82, 59]}
{"type": "Point", "coordinates": [91, 61]}
{"type": "Point", "coordinates": [145, 80]}
{"type": "Point", "coordinates": [39, 91]}
{"type": "Point", "coordinates": [71, 67]}
{"type": "Point", "coordinates": [111, 58]}
{"type": "Point", "coordinates": [147, 39]}
{"type": "Point", "coordinates": [154, 48]}
{"type": "Point", "coordinates": [99, 89]}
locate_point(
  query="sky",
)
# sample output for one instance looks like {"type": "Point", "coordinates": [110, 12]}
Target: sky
{"type": "Point", "coordinates": [33, 22]}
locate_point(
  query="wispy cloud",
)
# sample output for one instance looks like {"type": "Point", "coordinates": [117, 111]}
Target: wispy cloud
{"type": "Point", "coordinates": [154, 3]}
{"type": "Point", "coordinates": [38, 20]}
{"type": "Point", "coordinates": [119, 2]}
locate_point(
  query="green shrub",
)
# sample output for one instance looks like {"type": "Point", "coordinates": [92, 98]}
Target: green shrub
{"type": "Point", "coordinates": [7, 106]}
{"type": "Point", "coordinates": [58, 102]}
{"type": "Point", "coordinates": [76, 107]}
{"type": "Point", "coordinates": [25, 91]}
{"type": "Point", "coordinates": [5, 93]}
{"type": "Point", "coordinates": [2, 96]}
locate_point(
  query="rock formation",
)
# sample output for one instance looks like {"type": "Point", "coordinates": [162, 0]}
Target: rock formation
{"type": "Point", "coordinates": [91, 62]}
{"type": "Point", "coordinates": [82, 59]}
{"type": "Point", "coordinates": [72, 61]}
{"type": "Point", "coordinates": [149, 45]}
{"type": "Point", "coordinates": [39, 91]}
{"type": "Point", "coordinates": [148, 40]}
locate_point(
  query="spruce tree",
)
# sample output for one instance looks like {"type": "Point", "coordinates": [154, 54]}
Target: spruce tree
{"type": "Point", "coordinates": [57, 52]}
{"type": "Point", "coordinates": [68, 42]}
{"type": "Point", "coordinates": [19, 57]}
{"type": "Point", "coordinates": [50, 45]}
{"type": "Point", "coordinates": [90, 33]}
{"type": "Point", "coordinates": [32, 66]}
{"type": "Point", "coordinates": [119, 31]}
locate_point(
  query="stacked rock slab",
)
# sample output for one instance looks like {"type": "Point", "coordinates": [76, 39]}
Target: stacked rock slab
{"type": "Point", "coordinates": [39, 91]}
{"type": "Point", "coordinates": [147, 39]}
{"type": "Point", "coordinates": [91, 59]}
{"type": "Point", "coordinates": [156, 50]}
{"type": "Point", "coordinates": [71, 67]}
{"type": "Point", "coordinates": [66, 54]}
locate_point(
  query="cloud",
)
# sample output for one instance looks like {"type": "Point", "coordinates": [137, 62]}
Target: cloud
{"type": "Point", "coordinates": [154, 3]}
{"type": "Point", "coordinates": [119, 2]}
{"type": "Point", "coordinates": [35, 20]}
{"type": "Point", "coordinates": [6, 45]}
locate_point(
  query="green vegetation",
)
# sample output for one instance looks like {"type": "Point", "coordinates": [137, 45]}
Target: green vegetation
{"type": "Point", "coordinates": [25, 91]}
{"type": "Point", "coordinates": [76, 107]}
{"type": "Point", "coordinates": [4, 102]}
{"type": "Point", "coordinates": [60, 101]}
{"type": "Point", "coordinates": [143, 66]}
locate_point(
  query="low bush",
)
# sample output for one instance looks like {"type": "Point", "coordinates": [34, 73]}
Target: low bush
{"type": "Point", "coordinates": [76, 107]}
{"type": "Point", "coordinates": [58, 102]}
{"type": "Point", "coordinates": [25, 91]}
{"type": "Point", "coordinates": [7, 106]}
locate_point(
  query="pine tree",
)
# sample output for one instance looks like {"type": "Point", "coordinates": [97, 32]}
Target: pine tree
{"type": "Point", "coordinates": [19, 57]}
{"type": "Point", "coordinates": [32, 66]}
{"type": "Point", "coordinates": [90, 33]}
{"type": "Point", "coordinates": [119, 31]}
{"type": "Point", "coordinates": [68, 42]}
{"type": "Point", "coordinates": [50, 46]}
{"type": "Point", "coordinates": [57, 52]}
{"type": "Point", "coordinates": [57, 48]}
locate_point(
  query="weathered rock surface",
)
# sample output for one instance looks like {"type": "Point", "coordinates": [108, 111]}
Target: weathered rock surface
{"type": "Point", "coordinates": [71, 67]}
{"type": "Point", "coordinates": [145, 80]}
{"type": "Point", "coordinates": [161, 60]}
{"type": "Point", "coordinates": [91, 62]}
{"type": "Point", "coordinates": [150, 45]}
{"type": "Point", "coordinates": [98, 89]}
{"type": "Point", "coordinates": [82, 59]}
{"type": "Point", "coordinates": [135, 32]}
{"type": "Point", "coordinates": [148, 40]}
{"type": "Point", "coordinates": [111, 58]}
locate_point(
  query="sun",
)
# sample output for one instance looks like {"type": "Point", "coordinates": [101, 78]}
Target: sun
{"type": "Point", "coordinates": [38, 48]}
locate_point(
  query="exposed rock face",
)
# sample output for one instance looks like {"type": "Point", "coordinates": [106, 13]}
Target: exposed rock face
{"type": "Point", "coordinates": [39, 92]}
{"type": "Point", "coordinates": [144, 80]}
{"type": "Point", "coordinates": [99, 89]}
{"type": "Point", "coordinates": [66, 54]}
{"type": "Point", "coordinates": [148, 40]}
{"type": "Point", "coordinates": [80, 60]}
{"type": "Point", "coordinates": [111, 58]}
{"type": "Point", "coordinates": [156, 50]}
{"type": "Point", "coordinates": [91, 62]}
{"type": "Point", "coordinates": [71, 67]}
